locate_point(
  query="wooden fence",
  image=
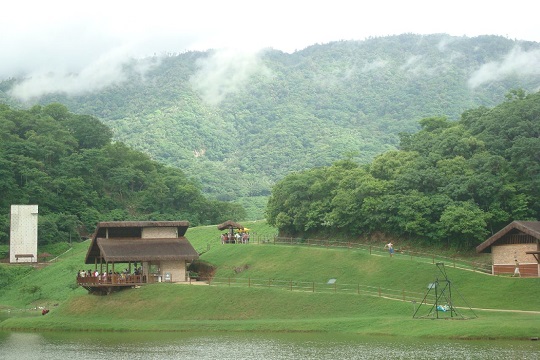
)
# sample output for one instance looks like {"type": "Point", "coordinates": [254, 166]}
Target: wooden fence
{"type": "Point", "coordinates": [480, 266]}
{"type": "Point", "coordinates": [317, 287]}
{"type": "Point", "coordinates": [378, 250]}
{"type": "Point", "coordinates": [397, 294]}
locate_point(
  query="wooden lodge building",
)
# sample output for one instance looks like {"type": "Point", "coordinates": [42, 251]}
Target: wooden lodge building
{"type": "Point", "coordinates": [130, 253]}
{"type": "Point", "coordinates": [516, 245]}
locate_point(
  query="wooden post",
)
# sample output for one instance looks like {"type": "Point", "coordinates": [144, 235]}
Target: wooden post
{"type": "Point", "coordinates": [314, 286]}
{"type": "Point", "coordinates": [379, 291]}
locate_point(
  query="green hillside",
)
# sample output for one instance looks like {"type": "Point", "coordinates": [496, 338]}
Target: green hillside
{"type": "Point", "coordinates": [223, 307]}
{"type": "Point", "coordinates": [238, 125]}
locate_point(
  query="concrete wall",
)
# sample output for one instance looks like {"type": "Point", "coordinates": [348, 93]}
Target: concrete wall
{"type": "Point", "coordinates": [159, 232]}
{"type": "Point", "coordinates": [23, 234]}
{"type": "Point", "coordinates": [508, 253]}
{"type": "Point", "coordinates": [177, 269]}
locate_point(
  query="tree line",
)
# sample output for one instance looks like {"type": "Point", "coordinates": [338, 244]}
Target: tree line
{"type": "Point", "coordinates": [69, 166]}
{"type": "Point", "coordinates": [452, 183]}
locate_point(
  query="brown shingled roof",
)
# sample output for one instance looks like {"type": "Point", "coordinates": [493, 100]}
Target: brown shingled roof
{"type": "Point", "coordinates": [229, 224]}
{"type": "Point", "coordinates": [125, 244]}
{"type": "Point", "coordinates": [111, 224]}
{"type": "Point", "coordinates": [528, 227]}
{"type": "Point", "coordinates": [124, 226]}
{"type": "Point", "coordinates": [136, 249]}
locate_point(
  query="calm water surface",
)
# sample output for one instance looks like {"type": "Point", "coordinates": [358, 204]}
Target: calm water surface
{"type": "Point", "coordinates": [134, 346]}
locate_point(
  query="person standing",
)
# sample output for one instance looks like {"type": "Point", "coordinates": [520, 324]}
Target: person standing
{"type": "Point", "coordinates": [516, 270]}
{"type": "Point", "coordinates": [390, 248]}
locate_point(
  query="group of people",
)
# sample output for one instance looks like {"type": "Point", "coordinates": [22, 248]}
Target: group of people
{"type": "Point", "coordinates": [236, 238]}
{"type": "Point", "coordinates": [108, 275]}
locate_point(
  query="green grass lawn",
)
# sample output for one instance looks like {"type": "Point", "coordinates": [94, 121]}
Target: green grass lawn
{"type": "Point", "coordinates": [168, 307]}
{"type": "Point", "coordinates": [353, 267]}
{"type": "Point", "coordinates": [175, 307]}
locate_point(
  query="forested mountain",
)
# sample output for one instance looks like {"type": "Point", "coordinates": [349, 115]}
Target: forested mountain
{"type": "Point", "coordinates": [453, 182]}
{"type": "Point", "coordinates": [238, 124]}
{"type": "Point", "coordinates": [67, 165]}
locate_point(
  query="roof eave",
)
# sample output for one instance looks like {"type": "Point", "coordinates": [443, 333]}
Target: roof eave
{"type": "Point", "coordinates": [519, 225]}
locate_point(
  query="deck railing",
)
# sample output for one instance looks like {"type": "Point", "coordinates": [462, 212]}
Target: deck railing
{"type": "Point", "coordinates": [113, 280]}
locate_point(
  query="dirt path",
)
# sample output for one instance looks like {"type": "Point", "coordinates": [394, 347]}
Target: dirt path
{"type": "Point", "coordinates": [504, 310]}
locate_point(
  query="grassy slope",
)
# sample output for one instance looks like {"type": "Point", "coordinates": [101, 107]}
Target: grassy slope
{"type": "Point", "coordinates": [205, 237]}
{"type": "Point", "coordinates": [220, 308]}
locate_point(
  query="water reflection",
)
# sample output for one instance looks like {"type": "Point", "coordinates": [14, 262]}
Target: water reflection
{"type": "Point", "coordinates": [134, 346]}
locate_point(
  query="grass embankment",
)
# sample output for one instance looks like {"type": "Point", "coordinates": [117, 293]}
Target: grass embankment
{"type": "Point", "coordinates": [173, 307]}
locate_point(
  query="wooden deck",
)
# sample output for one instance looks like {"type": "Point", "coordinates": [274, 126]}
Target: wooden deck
{"type": "Point", "coordinates": [110, 283]}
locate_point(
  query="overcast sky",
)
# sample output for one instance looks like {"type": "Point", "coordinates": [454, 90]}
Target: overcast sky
{"type": "Point", "coordinates": [87, 41]}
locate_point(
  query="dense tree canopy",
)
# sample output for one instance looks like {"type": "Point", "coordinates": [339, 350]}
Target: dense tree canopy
{"type": "Point", "coordinates": [69, 166]}
{"type": "Point", "coordinates": [452, 182]}
{"type": "Point", "coordinates": [238, 130]}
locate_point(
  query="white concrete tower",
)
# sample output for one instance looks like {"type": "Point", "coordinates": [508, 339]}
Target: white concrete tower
{"type": "Point", "coordinates": [23, 234]}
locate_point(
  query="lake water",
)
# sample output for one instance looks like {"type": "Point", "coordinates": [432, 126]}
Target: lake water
{"type": "Point", "coordinates": [134, 346]}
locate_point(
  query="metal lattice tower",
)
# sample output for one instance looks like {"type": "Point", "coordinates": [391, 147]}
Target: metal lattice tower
{"type": "Point", "coordinates": [443, 306]}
